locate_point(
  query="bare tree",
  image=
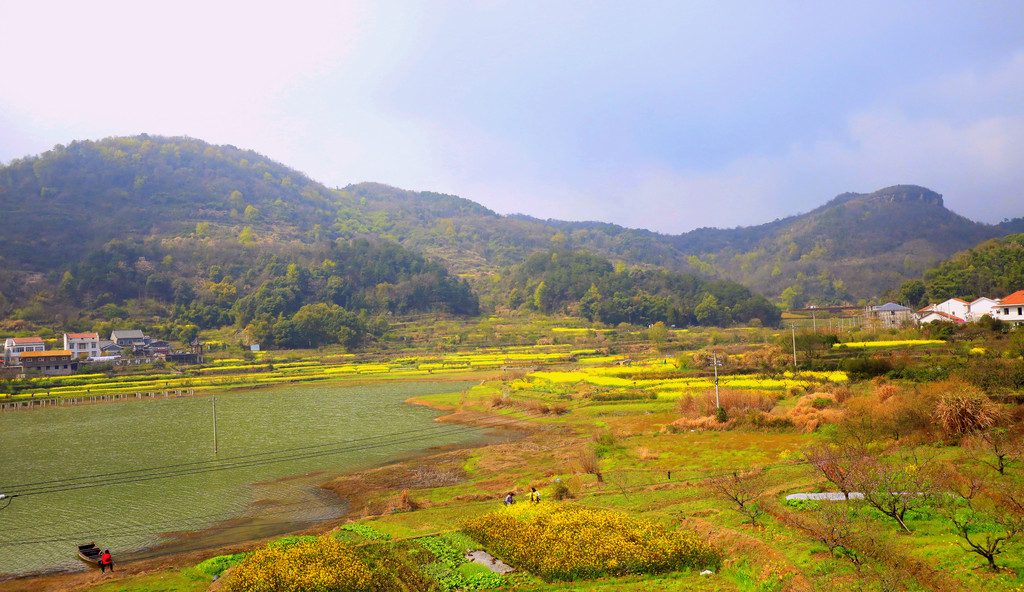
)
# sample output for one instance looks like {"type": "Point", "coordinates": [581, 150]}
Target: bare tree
{"type": "Point", "coordinates": [987, 516]}
{"type": "Point", "coordinates": [850, 537]}
{"type": "Point", "coordinates": [836, 462]}
{"type": "Point", "coordinates": [836, 525]}
{"type": "Point", "coordinates": [998, 448]}
{"type": "Point", "coordinates": [897, 485]}
{"type": "Point", "coordinates": [744, 490]}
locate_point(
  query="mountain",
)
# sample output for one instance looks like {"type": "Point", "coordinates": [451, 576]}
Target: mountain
{"type": "Point", "coordinates": [74, 201]}
{"type": "Point", "coordinates": [855, 246]}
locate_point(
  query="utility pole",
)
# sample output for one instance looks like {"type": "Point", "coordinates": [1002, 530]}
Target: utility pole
{"type": "Point", "coordinates": [715, 362]}
{"type": "Point", "coordinates": [214, 424]}
{"type": "Point", "coordinates": [793, 331]}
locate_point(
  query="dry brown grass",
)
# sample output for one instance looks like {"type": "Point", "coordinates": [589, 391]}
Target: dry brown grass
{"type": "Point", "coordinates": [842, 393]}
{"type": "Point", "coordinates": [885, 391]}
{"type": "Point", "coordinates": [736, 402]}
{"type": "Point", "coordinates": [964, 409]}
{"type": "Point", "coordinates": [706, 423]}
{"type": "Point", "coordinates": [589, 463]}
{"type": "Point", "coordinates": [529, 405]}
{"type": "Point", "coordinates": [645, 453]}
{"type": "Point", "coordinates": [815, 410]}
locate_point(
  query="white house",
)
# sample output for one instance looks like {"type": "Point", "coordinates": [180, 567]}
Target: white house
{"type": "Point", "coordinates": [980, 307]}
{"type": "Point", "coordinates": [82, 345]}
{"type": "Point", "coordinates": [938, 315]}
{"type": "Point", "coordinates": [953, 307]}
{"type": "Point", "coordinates": [1010, 309]}
{"type": "Point", "coordinates": [15, 346]}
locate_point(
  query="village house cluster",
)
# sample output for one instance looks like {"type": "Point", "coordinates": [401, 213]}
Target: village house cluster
{"type": "Point", "coordinates": [955, 310]}
{"type": "Point", "coordinates": [28, 355]}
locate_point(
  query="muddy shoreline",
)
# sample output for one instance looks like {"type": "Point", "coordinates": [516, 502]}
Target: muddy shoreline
{"type": "Point", "coordinates": [365, 492]}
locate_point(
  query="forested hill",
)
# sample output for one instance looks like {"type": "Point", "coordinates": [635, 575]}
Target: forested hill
{"type": "Point", "coordinates": [994, 269]}
{"type": "Point", "coordinates": [589, 286]}
{"type": "Point", "coordinates": [71, 201]}
{"type": "Point", "coordinates": [199, 236]}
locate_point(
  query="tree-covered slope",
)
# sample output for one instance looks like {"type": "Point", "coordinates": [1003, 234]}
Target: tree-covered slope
{"type": "Point", "coordinates": [204, 236]}
{"type": "Point", "coordinates": [994, 268]}
{"type": "Point", "coordinates": [587, 285]}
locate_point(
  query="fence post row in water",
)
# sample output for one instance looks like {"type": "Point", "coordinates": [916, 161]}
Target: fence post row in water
{"type": "Point", "coordinates": [62, 401]}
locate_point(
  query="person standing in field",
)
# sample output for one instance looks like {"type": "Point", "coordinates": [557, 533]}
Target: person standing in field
{"type": "Point", "coordinates": [510, 498]}
{"type": "Point", "coordinates": [534, 495]}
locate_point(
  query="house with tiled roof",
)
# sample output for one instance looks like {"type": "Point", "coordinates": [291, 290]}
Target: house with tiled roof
{"type": "Point", "coordinates": [1010, 309]}
{"type": "Point", "coordinates": [128, 337]}
{"type": "Point", "coordinates": [954, 307]}
{"type": "Point", "coordinates": [15, 346]}
{"type": "Point", "coordinates": [889, 316]}
{"type": "Point", "coordinates": [938, 315]}
{"type": "Point", "coordinates": [55, 362]}
{"type": "Point", "coordinates": [83, 345]}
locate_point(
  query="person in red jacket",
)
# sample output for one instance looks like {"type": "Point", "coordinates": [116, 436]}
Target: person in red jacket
{"type": "Point", "coordinates": [106, 561]}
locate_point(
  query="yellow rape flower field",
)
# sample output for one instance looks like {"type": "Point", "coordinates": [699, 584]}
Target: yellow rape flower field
{"type": "Point", "coordinates": [320, 564]}
{"type": "Point", "coordinates": [570, 542]}
{"type": "Point", "coordinates": [907, 342]}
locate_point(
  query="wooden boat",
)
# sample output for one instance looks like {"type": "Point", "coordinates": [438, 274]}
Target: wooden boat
{"type": "Point", "coordinates": [90, 553]}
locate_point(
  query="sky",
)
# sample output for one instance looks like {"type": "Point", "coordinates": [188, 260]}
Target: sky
{"type": "Point", "coordinates": [668, 116]}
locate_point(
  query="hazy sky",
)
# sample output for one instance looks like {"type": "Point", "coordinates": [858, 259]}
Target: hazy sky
{"type": "Point", "coordinates": [661, 115]}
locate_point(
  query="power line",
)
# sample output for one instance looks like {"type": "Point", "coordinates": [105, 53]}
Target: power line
{"type": "Point", "coordinates": [242, 461]}
{"type": "Point", "coordinates": [694, 475]}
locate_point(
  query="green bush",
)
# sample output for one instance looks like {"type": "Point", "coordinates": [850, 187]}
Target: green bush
{"type": "Point", "coordinates": [215, 566]}
{"type": "Point", "coordinates": [866, 368]}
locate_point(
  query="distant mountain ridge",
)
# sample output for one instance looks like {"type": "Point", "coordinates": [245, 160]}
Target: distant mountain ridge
{"type": "Point", "coordinates": [69, 201]}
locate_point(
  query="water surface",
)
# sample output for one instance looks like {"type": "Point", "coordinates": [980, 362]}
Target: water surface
{"type": "Point", "coordinates": [313, 430]}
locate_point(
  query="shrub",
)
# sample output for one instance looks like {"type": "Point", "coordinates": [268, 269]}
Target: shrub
{"type": "Point", "coordinates": [367, 532]}
{"type": "Point", "coordinates": [583, 543]}
{"type": "Point", "coordinates": [814, 411]}
{"type": "Point", "coordinates": [720, 415]}
{"type": "Point", "coordinates": [734, 401]}
{"type": "Point", "coordinates": [320, 564]}
{"type": "Point", "coordinates": [865, 368]}
{"type": "Point", "coordinates": [964, 410]}
{"type": "Point", "coordinates": [589, 462]}
{"type": "Point", "coordinates": [218, 565]}
{"type": "Point", "coordinates": [560, 491]}
{"type": "Point", "coordinates": [886, 391]}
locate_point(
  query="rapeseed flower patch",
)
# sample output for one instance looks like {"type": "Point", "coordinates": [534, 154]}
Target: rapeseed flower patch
{"type": "Point", "coordinates": [569, 542]}
{"type": "Point", "coordinates": [312, 564]}
{"type": "Point", "coordinates": [888, 343]}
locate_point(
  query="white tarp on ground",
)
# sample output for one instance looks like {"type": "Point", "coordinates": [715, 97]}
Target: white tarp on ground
{"type": "Point", "coordinates": [828, 496]}
{"type": "Point", "coordinates": [489, 561]}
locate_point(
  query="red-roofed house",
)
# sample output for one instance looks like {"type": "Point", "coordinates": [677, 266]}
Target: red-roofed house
{"type": "Point", "coordinates": [953, 307]}
{"type": "Point", "coordinates": [1011, 308]}
{"type": "Point", "coordinates": [83, 345]}
{"type": "Point", "coordinates": [938, 315]}
{"type": "Point", "coordinates": [15, 346]}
